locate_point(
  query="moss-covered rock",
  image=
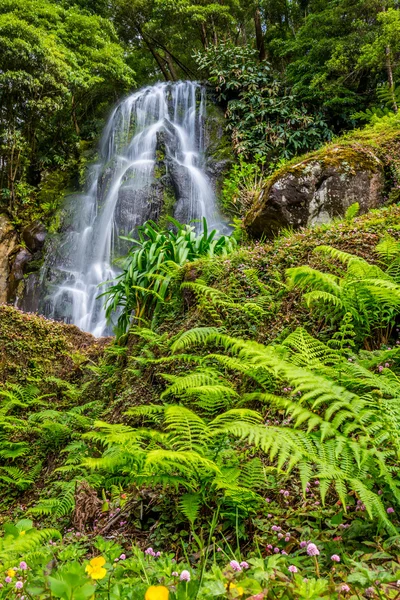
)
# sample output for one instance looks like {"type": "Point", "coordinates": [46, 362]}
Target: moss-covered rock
{"type": "Point", "coordinates": [315, 188]}
{"type": "Point", "coordinates": [32, 346]}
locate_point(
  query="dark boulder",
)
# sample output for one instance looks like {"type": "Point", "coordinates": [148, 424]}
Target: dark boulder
{"type": "Point", "coordinates": [22, 257]}
{"type": "Point", "coordinates": [34, 236]}
{"type": "Point", "coordinates": [317, 190]}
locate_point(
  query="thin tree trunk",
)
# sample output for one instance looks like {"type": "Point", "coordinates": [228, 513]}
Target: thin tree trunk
{"type": "Point", "coordinates": [160, 61]}
{"type": "Point", "coordinates": [259, 35]}
{"type": "Point", "coordinates": [171, 66]}
{"type": "Point", "coordinates": [390, 77]}
{"type": "Point", "coordinates": [388, 55]}
{"type": "Point", "coordinates": [203, 34]}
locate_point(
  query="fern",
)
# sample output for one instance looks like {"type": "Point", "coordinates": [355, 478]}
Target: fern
{"type": "Point", "coordinates": [339, 424]}
{"type": "Point", "coordinates": [190, 505]}
{"type": "Point", "coordinates": [370, 295]}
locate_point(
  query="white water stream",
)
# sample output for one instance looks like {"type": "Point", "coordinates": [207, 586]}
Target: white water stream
{"type": "Point", "coordinates": [120, 193]}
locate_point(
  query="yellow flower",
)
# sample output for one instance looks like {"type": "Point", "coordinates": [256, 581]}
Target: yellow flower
{"type": "Point", "coordinates": [95, 568]}
{"type": "Point", "coordinates": [11, 573]}
{"type": "Point", "coordinates": [22, 532]}
{"type": "Point", "coordinates": [239, 591]}
{"type": "Point", "coordinates": [157, 592]}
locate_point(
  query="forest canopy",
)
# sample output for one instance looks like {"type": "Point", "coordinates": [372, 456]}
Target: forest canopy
{"type": "Point", "coordinates": [300, 70]}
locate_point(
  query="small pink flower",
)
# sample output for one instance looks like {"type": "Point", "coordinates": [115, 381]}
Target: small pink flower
{"type": "Point", "coordinates": [335, 558]}
{"type": "Point", "coordinates": [284, 553]}
{"type": "Point", "coordinates": [344, 587]}
{"type": "Point", "coordinates": [235, 565]}
{"type": "Point", "coordinates": [390, 510]}
{"type": "Point", "coordinates": [122, 557]}
{"type": "Point", "coordinates": [8, 579]}
{"type": "Point", "coordinates": [174, 574]}
{"type": "Point", "coordinates": [157, 554]}
{"type": "Point", "coordinates": [219, 549]}
{"type": "Point", "coordinates": [286, 493]}
{"type": "Point", "coordinates": [280, 535]}
{"type": "Point", "coordinates": [19, 585]}
{"type": "Point", "coordinates": [312, 550]}
{"type": "Point", "coordinates": [185, 576]}
{"type": "Point", "coordinates": [276, 550]}
{"type": "Point", "coordinates": [287, 538]}
{"type": "Point", "coordinates": [23, 565]}
{"type": "Point", "coordinates": [275, 528]}
{"type": "Point", "coordinates": [269, 546]}
{"type": "Point", "coordinates": [244, 564]}
{"type": "Point", "coordinates": [292, 569]}
{"type": "Point", "coordinates": [303, 544]}
{"type": "Point", "coordinates": [150, 552]}
{"type": "Point", "coordinates": [370, 592]}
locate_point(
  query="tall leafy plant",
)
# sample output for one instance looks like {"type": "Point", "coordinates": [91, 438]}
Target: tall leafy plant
{"type": "Point", "coordinates": [151, 266]}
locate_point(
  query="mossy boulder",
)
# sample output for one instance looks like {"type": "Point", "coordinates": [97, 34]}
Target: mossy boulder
{"type": "Point", "coordinates": [32, 346]}
{"type": "Point", "coordinates": [317, 189]}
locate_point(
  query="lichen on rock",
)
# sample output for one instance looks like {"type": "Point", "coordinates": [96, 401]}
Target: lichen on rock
{"type": "Point", "coordinates": [317, 189]}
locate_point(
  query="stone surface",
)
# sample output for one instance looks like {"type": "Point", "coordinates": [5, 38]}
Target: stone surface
{"type": "Point", "coordinates": [317, 190]}
{"type": "Point", "coordinates": [34, 236]}
{"type": "Point", "coordinates": [16, 275]}
{"type": "Point", "coordinates": [8, 244]}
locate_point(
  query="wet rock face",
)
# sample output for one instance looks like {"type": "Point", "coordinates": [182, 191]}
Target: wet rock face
{"type": "Point", "coordinates": [34, 236]}
{"type": "Point", "coordinates": [317, 191]}
{"type": "Point", "coordinates": [16, 275]}
{"type": "Point", "coordinates": [8, 244]}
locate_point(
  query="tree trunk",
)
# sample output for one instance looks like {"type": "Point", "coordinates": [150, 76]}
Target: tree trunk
{"type": "Point", "coordinates": [390, 77]}
{"type": "Point", "coordinates": [171, 66]}
{"type": "Point", "coordinates": [259, 35]}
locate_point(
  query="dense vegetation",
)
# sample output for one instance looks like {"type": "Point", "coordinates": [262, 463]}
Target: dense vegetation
{"type": "Point", "coordinates": [237, 468]}
{"type": "Point", "coordinates": [290, 74]}
{"type": "Point", "coordinates": [239, 437]}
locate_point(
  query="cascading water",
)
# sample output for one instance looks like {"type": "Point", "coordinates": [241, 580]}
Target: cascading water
{"type": "Point", "coordinates": [155, 135]}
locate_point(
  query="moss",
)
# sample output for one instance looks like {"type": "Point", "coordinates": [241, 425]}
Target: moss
{"type": "Point", "coordinates": [219, 144]}
{"type": "Point", "coordinates": [169, 201]}
{"type": "Point", "coordinates": [34, 346]}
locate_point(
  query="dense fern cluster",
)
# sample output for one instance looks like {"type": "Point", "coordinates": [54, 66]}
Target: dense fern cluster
{"type": "Point", "coordinates": [233, 424]}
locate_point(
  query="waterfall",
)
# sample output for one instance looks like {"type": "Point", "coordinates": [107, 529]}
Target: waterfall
{"type": "Point", "coordinates": [153, 145]}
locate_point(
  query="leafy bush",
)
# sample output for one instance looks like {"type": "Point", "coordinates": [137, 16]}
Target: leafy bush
{"type": "Point", "coordinates": [151, 265]}
{"type": "Point", "coordinates": [264, 116]}
{"type": "Point", "coordinates": [242, 185]}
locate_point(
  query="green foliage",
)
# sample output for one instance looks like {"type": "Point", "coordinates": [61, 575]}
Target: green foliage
{"type": "Point", "coordinates": [184, 451]}
{"type": "Point", "coordinates": [57, 66]}
{"type": "Point", "coordinates": [264, 117]}
{"type": "Point", "coordinates": [389, 98]}
{"type": "Point", "coordinates": [243, 185]}
{"type": "Point", "coordinates": [152, 265]}
{"type": "Point", "coordinates": [343, 417]}
{"type": "Point", "coordinates": [370, 295]}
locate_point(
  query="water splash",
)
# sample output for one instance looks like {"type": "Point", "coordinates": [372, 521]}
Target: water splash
{"type": "Point", "coordinates": [124, 190]}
